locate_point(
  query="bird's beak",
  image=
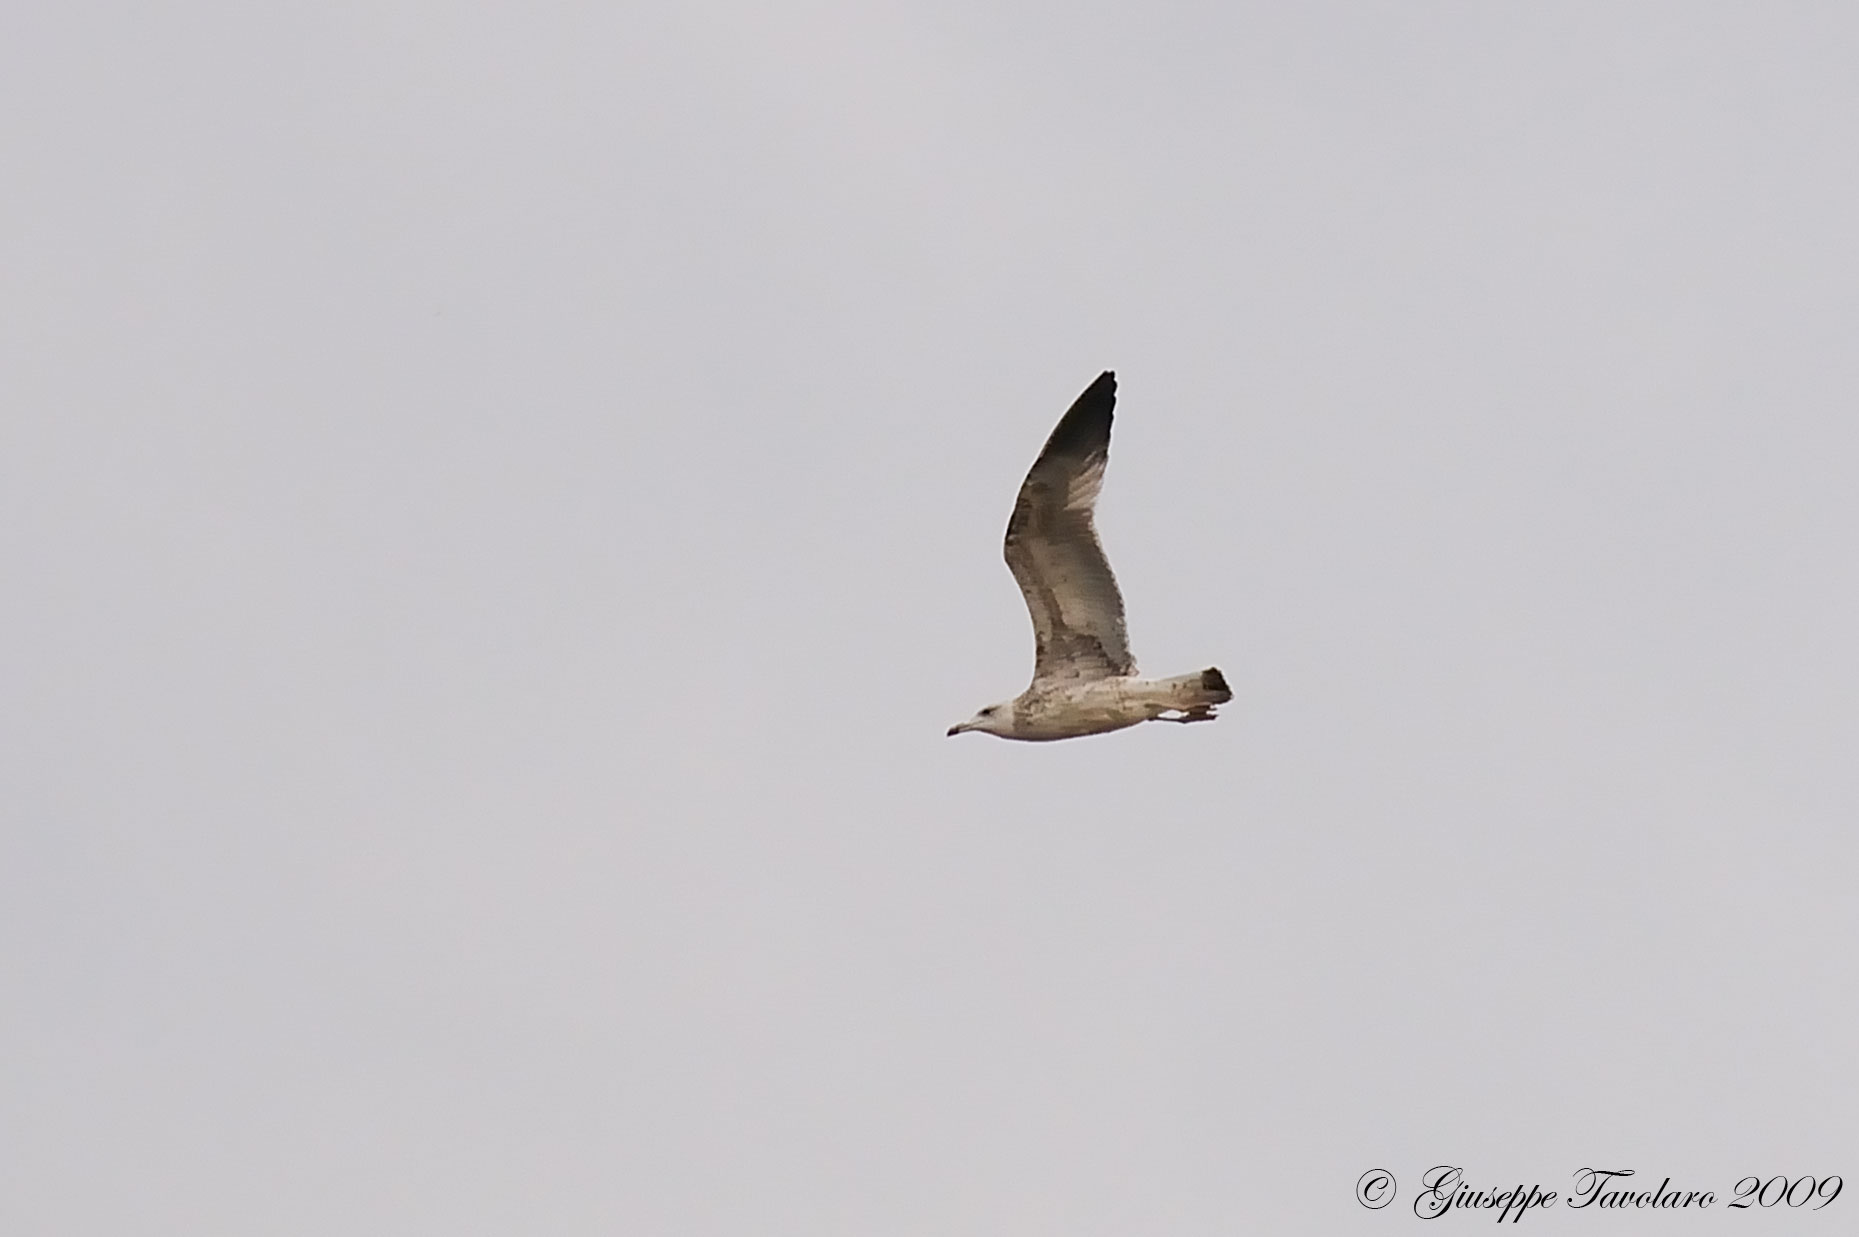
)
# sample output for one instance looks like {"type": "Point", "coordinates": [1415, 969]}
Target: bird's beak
{"type": "Point", "coordinates": [957, 729]}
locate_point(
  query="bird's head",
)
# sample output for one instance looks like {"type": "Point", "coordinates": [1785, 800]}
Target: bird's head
{"type": "Point", "coordinates": [995, 719]}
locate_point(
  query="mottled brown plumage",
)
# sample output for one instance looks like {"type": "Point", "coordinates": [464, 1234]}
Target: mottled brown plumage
{"type": "Point", "coordinates": [1053, 551]}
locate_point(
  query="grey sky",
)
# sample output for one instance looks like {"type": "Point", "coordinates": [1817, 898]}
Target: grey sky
{"type": "Point", "coordinates": [503, 501]}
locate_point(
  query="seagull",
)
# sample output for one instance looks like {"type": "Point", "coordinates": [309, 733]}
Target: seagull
{"type": "Point", "coordinates": [1084, 679]}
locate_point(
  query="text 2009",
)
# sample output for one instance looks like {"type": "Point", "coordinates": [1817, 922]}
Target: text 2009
{"type": "Point", "coordinates": [1755, 1192]}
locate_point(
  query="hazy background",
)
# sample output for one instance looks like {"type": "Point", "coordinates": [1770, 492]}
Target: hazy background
{"type": "Point", "coordinates": [501, 502]}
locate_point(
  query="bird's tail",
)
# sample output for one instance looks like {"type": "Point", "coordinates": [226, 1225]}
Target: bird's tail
{"type": "Point", "coordinates": [1201, 690]}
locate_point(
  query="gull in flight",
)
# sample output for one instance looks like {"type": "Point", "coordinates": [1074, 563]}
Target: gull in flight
{"type": "Point", "coordinates": [1084, 679]}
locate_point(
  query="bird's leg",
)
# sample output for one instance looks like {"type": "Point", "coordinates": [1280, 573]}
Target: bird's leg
{"type": "Point", "coordinates": [1199, 713]}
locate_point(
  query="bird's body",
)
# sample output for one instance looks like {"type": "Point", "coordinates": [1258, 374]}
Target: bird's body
{"type": "Point", "coordinates": [1066, 710]}
{"type": "Point", "coordinates": [1084, 678]}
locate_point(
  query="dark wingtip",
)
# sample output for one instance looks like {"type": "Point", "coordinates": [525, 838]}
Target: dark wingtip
{"type": "Point", "coordinates": [1085, 427]}
{"type": "Point", "coordinates": [1212, 680]}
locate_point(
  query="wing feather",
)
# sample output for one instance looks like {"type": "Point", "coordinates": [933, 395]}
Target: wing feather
{"type": "Point", "coordinates": [1053, 551]}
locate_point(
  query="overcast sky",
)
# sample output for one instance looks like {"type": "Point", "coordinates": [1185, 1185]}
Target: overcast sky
{"type": "Point", "coordinates": [502, 502]}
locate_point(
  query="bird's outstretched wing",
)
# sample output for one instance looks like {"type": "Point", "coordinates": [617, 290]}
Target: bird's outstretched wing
{"type": "Point", "coordinates": [1053, 552]}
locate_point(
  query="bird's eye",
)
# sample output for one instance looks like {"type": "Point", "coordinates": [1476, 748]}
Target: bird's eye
{"type": "Point", "coordinates": [987, 710]}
